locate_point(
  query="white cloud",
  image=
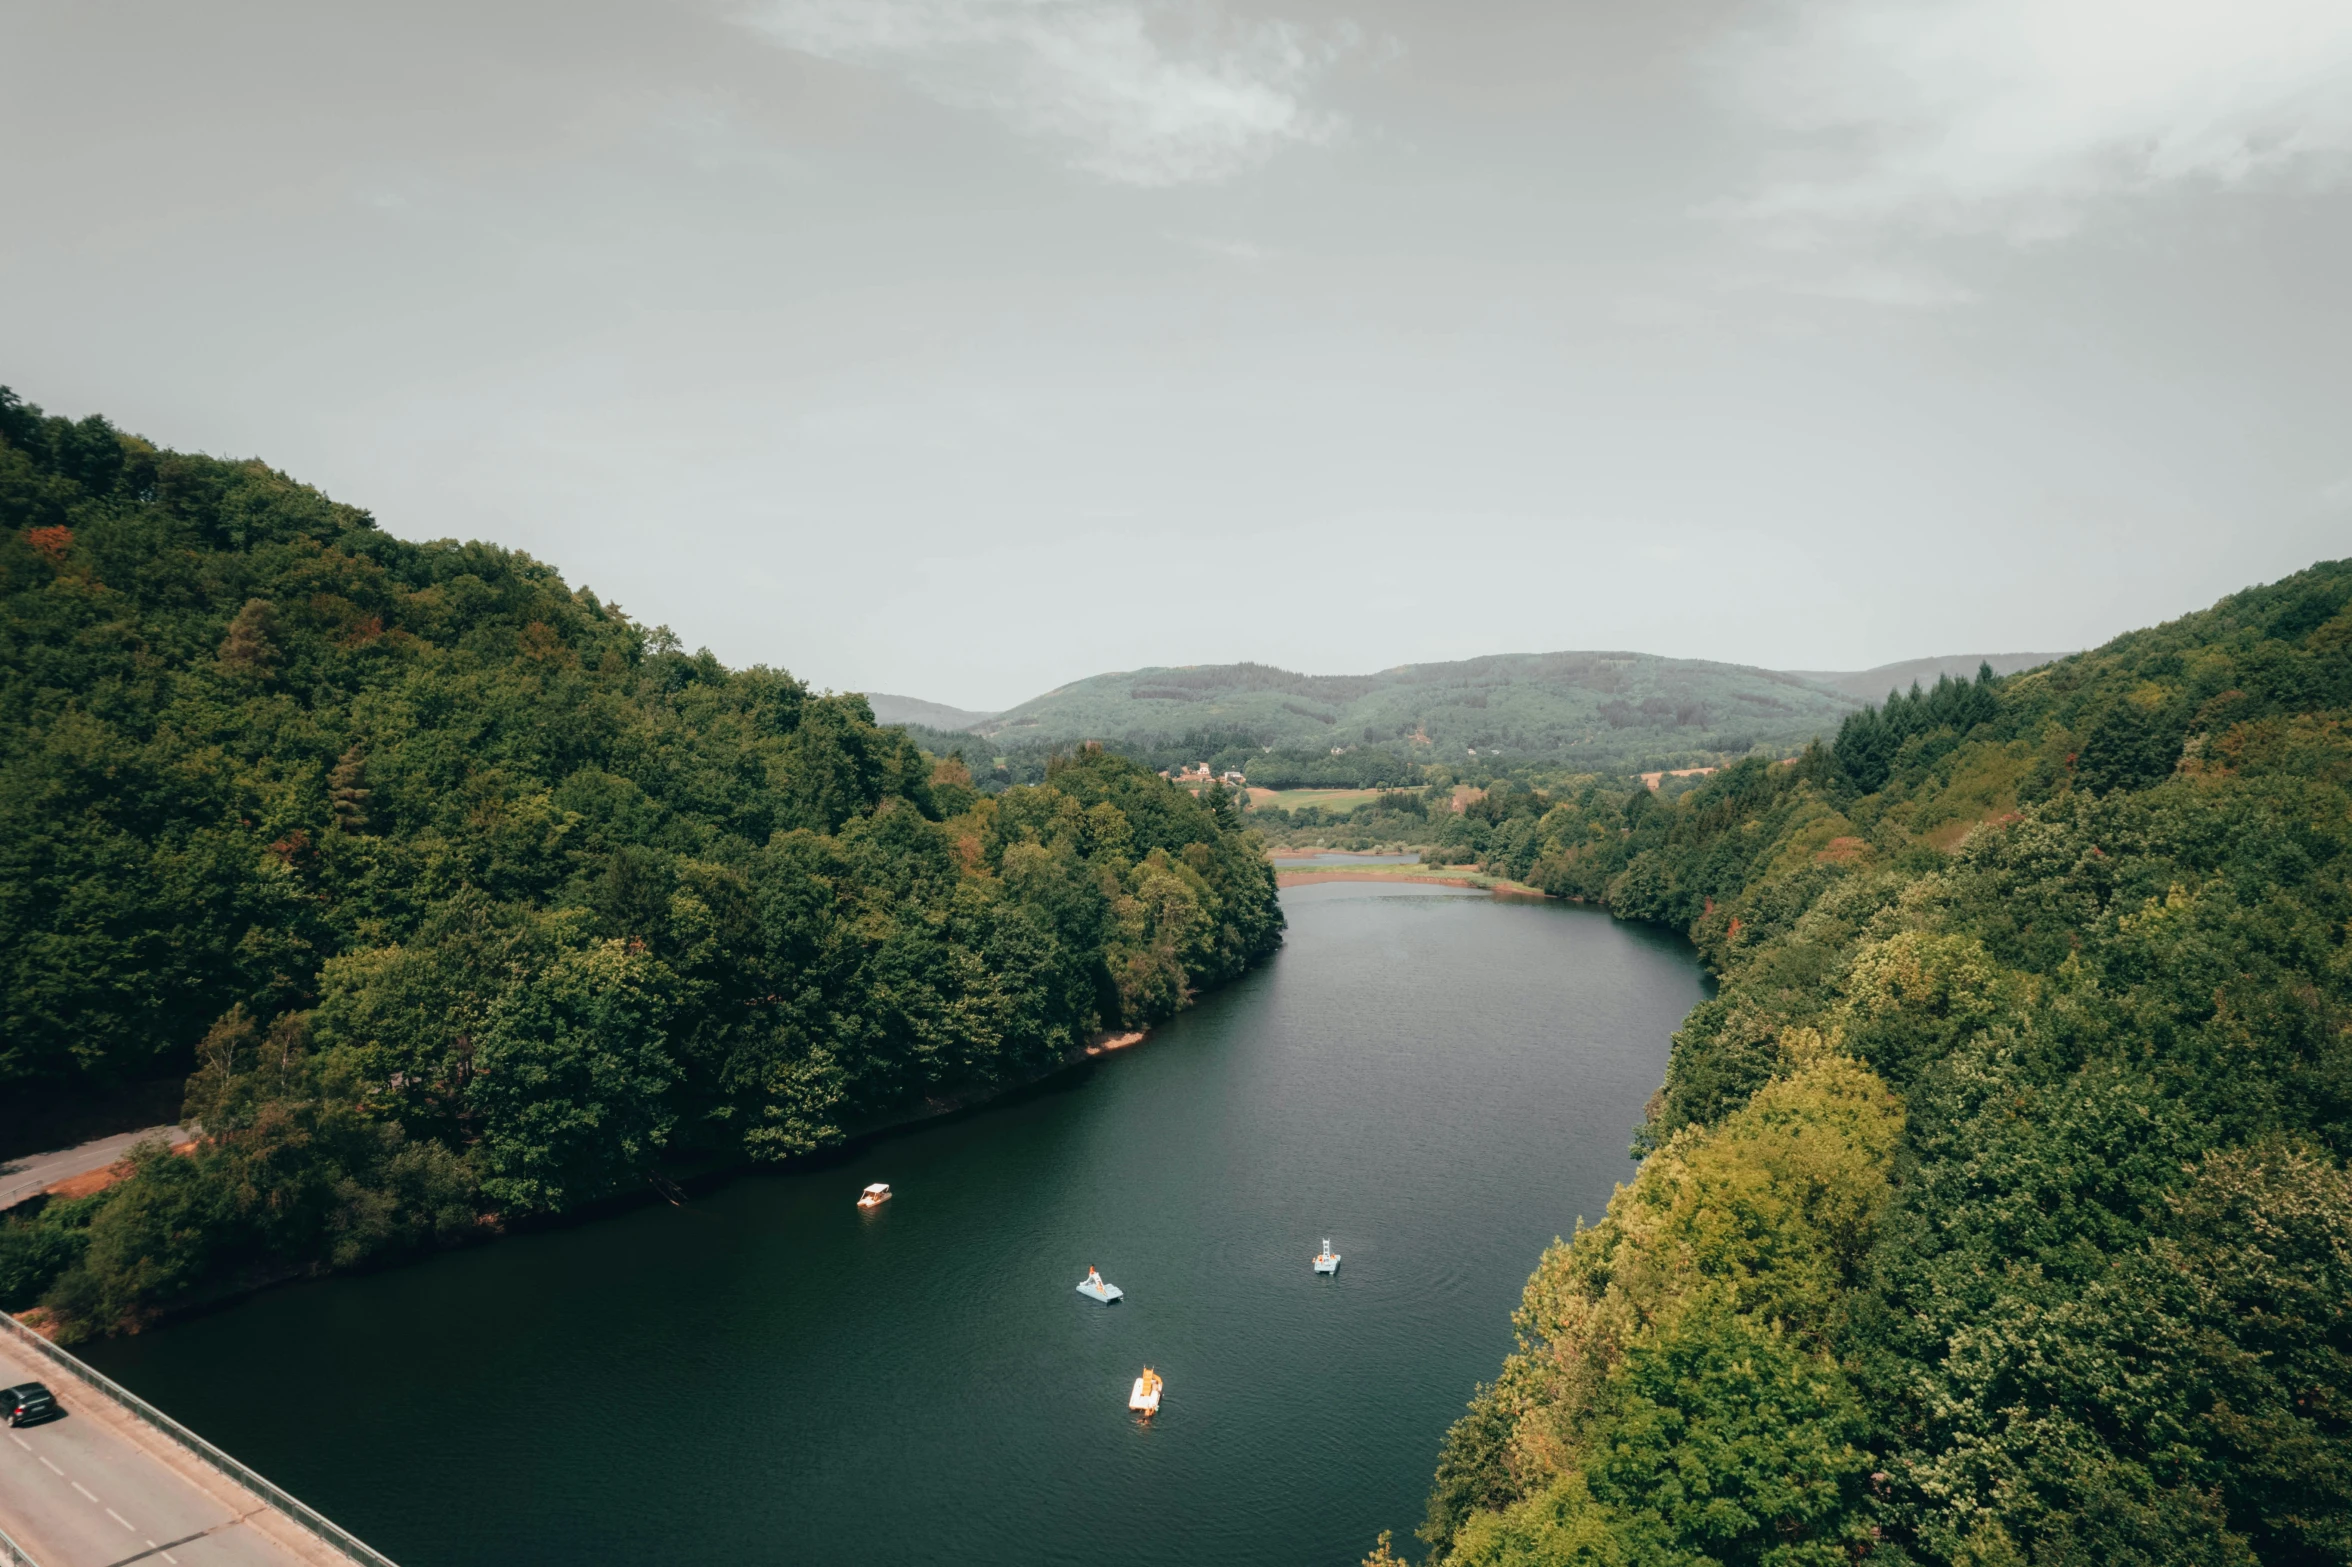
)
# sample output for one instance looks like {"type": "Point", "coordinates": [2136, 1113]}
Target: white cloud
{"type": "Point", "coordinates": [1143, 93]}
{"type": "Point", "coordinates": [2011, 115]}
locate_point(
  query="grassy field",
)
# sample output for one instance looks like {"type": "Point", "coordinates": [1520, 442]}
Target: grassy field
{"type": "Point", "coordinates": [1328, 799]}
{"type": "Point", "coordinates": [1451, 875]}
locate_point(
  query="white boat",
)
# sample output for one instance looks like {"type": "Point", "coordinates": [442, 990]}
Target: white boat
{"type": "Point", "coordinates": [875, 1195]}
{"type": "Point", "coordinates": [1146, 1396]}
{"type": "Point", "coordinates": [1328, 1260]}
{"type": "Point", "coordinates": [1095, 1289]}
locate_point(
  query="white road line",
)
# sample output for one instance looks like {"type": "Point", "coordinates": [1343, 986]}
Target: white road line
{"type": "Point", "coordinates": [169, 1557]}
{"type": "Point", "coordinates": [120, 1519]}
{"type": "Point", "coordinates": [77, 1485]}
{"type": "Point", "coordinates": [20, 1441]}
{"type": "Point", "coordinates": [53, 1469]}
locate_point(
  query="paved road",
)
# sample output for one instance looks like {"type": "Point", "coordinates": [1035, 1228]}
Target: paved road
{"type": "Point", "coordinates": [99, 1488]}
{"type": "Point", "coordinates": [20, 1178]}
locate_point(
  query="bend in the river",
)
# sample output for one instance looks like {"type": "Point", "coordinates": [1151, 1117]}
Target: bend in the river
{"type": "Point", "coordinates": [1440, 1082]}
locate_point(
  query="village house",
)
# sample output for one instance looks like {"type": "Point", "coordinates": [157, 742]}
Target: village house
{"type": "Point", "coordinates": [1198, 776]}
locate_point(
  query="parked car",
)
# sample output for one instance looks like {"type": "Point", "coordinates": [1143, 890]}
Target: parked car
{"type": "Point", "coordinates": [26, 1403]}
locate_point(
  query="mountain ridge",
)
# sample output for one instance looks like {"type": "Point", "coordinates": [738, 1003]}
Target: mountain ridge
{"type": "Point", "coordinates": [1874, 683]}
{"type": "Point", "coordinates": [1592, 708]}
{"type": "Point", "coordinates": [890, 708]}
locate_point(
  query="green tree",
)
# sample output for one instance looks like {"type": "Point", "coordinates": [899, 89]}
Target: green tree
{"type": "Point", "coordinates": [572, 1076]}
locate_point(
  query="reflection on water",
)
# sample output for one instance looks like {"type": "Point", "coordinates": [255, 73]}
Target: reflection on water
{"type": "Point", "coordinates": [1440, 1082]}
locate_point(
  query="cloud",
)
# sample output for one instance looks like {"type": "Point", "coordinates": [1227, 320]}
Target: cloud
{"type": "Point", "coordinates": [1901, 288]}
{"type": "Point", "coordinates": [1141, 92]}
{"type": "Point", "coordinates": [1247, 252]}
{"type": "Point", "coordinates": [2012, 116]}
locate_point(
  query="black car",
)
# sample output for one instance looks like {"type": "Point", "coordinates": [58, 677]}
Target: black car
{"type": "Point", "coordinates": [25, 1403]}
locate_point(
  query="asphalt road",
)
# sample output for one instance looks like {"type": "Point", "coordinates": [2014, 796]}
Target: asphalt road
{"type": "Point", "coordinates": [99, 1488]}
{"type": "Point", "coordinates": [20, 1178]}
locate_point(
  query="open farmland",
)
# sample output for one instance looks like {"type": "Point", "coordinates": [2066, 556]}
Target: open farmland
{"type": "Point", "coordinates": [1324, 799]}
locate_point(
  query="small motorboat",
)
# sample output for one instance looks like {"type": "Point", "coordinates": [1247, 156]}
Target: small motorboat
{"type": "Point", "coordinates": [1327, 1261]}
{"type": "Point", "coordinates": [1146, 1397]}
{"type": "Point", "coordinates": [875, 1195]}
{"type": "Point", "coordinates": [1095, 1289]}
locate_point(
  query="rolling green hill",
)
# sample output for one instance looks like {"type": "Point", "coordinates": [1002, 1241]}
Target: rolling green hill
{"type": "Point", "coordinates": [1995, 1209]}
{"type": "Point", "coordinates": [1597, 710]}
{"type": "Point", "coordinates": [890, 709]}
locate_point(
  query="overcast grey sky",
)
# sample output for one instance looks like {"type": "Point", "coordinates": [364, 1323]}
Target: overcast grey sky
{"type": "Point", "coordinates": [965, 347]}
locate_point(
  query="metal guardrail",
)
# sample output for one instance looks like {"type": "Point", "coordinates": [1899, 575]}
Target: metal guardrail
{"type": "Point", "coordinates": [13, 1554]}
{"type": "Point", "coordinates": [283, 1501]}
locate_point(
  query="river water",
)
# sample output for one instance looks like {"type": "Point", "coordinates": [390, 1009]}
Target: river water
{"type": "Point", "coordinates": [1440, 1082]}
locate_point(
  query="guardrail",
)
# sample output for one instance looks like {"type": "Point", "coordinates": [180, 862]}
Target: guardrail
{"type": "Point", "coordinates": [13, 1554]}
{"type": "Point", "coordinates": [283, 1501]}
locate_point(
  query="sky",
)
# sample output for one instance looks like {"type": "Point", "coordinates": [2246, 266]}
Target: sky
{"type": "Point", "coordinates": [963, 348]}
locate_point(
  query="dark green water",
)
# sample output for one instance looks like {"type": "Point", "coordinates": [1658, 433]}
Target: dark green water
{"type": "Point", "coordinates": [1439, 1082]}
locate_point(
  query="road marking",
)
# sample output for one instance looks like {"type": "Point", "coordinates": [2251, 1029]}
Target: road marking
{"type": "Point", "coordinates": [77, 1485]}
{"type": "Point", "coordinates": [20, 1441]}
{"type": "Point", "coordinates": [125, 1522]}
{"type": "Point", "coordinates": [164, 1551]}
{"type": "Point", "coordinates": [53, 1469]}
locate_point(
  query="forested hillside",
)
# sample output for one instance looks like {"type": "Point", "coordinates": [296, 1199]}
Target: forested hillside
{"type": "Point", "coordinates": [1599, 711]}
{"type": "Point", "coordinates": [1995, 1211]}
{"type": "Point", "coordinates": [462, 896]}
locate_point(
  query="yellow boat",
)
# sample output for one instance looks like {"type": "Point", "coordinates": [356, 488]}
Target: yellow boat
{"type": "Point", "coordinates": [1146, 1396]}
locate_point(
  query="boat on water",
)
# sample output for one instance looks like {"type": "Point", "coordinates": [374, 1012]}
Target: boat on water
{"type": "Point", "coordinates": [1093, 1288]}
{"type": "Point", "coordinates": [1146, 1397]}
{"type": "Point", "coordinates": [1327, 1261]}
{"type": "Point", "coordinates": [875, 1195]}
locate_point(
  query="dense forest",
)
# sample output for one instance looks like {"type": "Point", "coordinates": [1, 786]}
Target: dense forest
{"type": "Point", "coordinates": [1995, 1210]}
{"type": "Point", "coordinates": [460, 897]}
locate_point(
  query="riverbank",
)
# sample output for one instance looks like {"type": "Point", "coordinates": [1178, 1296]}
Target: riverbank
{"type": "Point", "coordinates": [672, 1184]}
{"type": "Point", "coordinates": [933, 1107]}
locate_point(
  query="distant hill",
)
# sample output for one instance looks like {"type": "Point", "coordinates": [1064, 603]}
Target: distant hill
{"type": "Point", "coordinates": [1606, 711]}
{"type": "Point", "coordinates": [1589, 709]}
{"type": "Point", "coordinates": [890, 709]}
{"type": "Point", "coordinates": [1872, 685]}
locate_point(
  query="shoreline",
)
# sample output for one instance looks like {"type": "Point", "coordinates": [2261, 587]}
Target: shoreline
{"type": "Point", "coordinates": [685, 1180]}
{"type": "Point", "coordinates": [931, 1107]}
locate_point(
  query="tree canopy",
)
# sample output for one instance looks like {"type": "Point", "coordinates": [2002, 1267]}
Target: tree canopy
{"type": "Point", "coordinates": [1995, 1209]}
{"type": "Point", "coordinates": [462, 895]}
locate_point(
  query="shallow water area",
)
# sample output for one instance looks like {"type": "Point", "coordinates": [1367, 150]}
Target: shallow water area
{"type": "Point", "coordinates": [1439, 1081]}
